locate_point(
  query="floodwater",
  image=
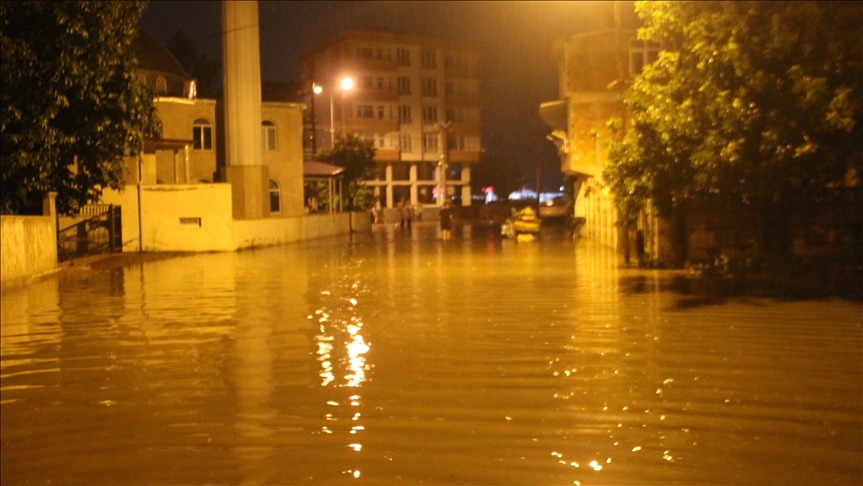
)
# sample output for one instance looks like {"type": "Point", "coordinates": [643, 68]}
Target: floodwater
{"type": "Point", "coordinates": [397, 358]}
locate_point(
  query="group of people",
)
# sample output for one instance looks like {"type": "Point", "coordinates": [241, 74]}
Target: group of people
{"type": "Point", "coordinates": [406, 216]}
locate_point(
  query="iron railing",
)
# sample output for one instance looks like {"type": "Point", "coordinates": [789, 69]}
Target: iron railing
{"type": "Point", "coordinates": [96, 229]}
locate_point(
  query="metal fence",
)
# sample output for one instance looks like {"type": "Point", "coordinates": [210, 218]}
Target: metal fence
{"type": "Point", "coordinates": [96, 229]}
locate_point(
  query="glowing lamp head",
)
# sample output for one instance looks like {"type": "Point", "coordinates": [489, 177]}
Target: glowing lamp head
{"type": "Point", "coordinates": [347, 84]}
{"type": "Point", "coordinates": [317, 89]}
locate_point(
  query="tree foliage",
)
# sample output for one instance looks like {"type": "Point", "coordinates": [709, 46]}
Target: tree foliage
{"type": "Point", "coordinates": [357, 156]}
{"type": "Point", "coordinates": [756, 106]}
{"type": "Point", "coordinates": [69, 91]}
{"type": "Point", "coordinates": [206, 71]}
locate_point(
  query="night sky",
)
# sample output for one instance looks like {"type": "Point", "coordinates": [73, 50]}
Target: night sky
{"type": "Point", "coordinates": [514, 39]}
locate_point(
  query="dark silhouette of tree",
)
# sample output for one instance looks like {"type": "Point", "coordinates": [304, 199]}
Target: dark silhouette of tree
{"type": "Point", "coordinates": [358, 159]}
{"type": "Point", "coordinates": [72, 105]}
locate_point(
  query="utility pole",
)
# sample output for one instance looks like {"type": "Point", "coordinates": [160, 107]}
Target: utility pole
{"type": "Point", "coordinates": [538, 170]}
{"type": "Point", "coordinates": [443, 129]}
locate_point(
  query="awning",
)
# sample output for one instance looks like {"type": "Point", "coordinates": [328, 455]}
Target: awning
{"type": "Point", "coordinates": [313, 168]}
{"type": "Point", "coordinates": [553, 113]}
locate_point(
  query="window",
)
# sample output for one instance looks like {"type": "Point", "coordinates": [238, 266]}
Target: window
{"type": "Point", "coordinates": [430, 142]}
{"type": "Point", "coordinates": [161, 86]}
{"type": "Point", "coordinates": [426, 171]}
{"type": "Point", "coordinates": [429, 87]}
{"type": "Point", "coordinates": [366, 82]}
{"type": "Point", "coordinates": [268, 136]}
{"type": "Point", "coordinates": [429, 114]}
{"type": "Point", "coordinates": [405, 142]}
{"type": "Point", "coordinates": [404, 113]}
{"type": "Point", "coordinates": [641, 54]}
{"type": "Point", "coordinates": [429, 59]}
{"type": "Point", "coordinates": [404, 86]}
{"type": "Point", "coordinates": [380, 83]}
{"type": "Point", "coordinates": [381, 112]}
{"type": "Point", "coordinates": [202, 134]}
{"type": "Point", "coordinates": [365, 112]}
{"type": "Point", "coordinates": [450, 115]}
{"type": "Point", "coordinates": [403, 56]}
{"type": "Point", "coordinates": [275, 198]}
{"type": "Point", "coordinates": [379, 54]}
{"type": "Point", "coordinates": [448, 88]}
{"type": "Point", "coordinates": [401, 172]}
{"type": "Point", "coordinates": [364, 52]}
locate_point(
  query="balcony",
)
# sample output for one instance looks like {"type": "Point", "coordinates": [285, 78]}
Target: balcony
{"type": "Point", "coordinates": [370, 125]}
{"type": "Point", "coordinates": [461, 100]}
{"type": "Point", "coordinates": [466, 128]}
{"type": "Point", "coordinates": [375, 95]}
{"type": "Point", "coordinates": [386, 155]}
{"type": "Point", "coordinates": [357, 65]}
{"type": "Point", "coordinates": [462, 157]}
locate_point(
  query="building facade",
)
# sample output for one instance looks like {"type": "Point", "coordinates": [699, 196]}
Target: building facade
{"type": "Point", "coordinates": [191, 149]}
{"type": "Point", "coordinates": [594, 69]}
{"type": "Point", "coordinates": [416, 99]}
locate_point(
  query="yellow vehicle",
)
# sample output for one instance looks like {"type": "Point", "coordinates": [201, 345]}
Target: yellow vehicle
{"type": "Point", "coordinates": [522, 222]}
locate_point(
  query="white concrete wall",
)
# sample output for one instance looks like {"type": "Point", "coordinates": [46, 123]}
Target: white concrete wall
{"type": "Point", "coordinates": [28, 248]}
{"type": "Point", "coordinates": [164, 205]}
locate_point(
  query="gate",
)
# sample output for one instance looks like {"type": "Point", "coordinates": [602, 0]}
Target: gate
{"type": "Point", "coordinates": [96, 229]}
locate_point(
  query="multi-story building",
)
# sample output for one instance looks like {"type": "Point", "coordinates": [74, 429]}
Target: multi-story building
{"type": "Point", "coordinates": [594, 68]}
{"type": "Point", "coordinates": [417, 99]}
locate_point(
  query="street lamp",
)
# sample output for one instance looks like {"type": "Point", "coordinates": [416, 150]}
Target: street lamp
{"type": "Point", "coordinates": [346, 85]}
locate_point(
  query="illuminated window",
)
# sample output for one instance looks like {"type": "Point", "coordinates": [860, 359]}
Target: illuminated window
{"type": "Point", "coordinates": [202, 134]}
{"type": "Point", "coordinates": [430, 142]}
{"type": "Point", "coordinates": [366, 112]}
{"type": "Point", "coordinates": [161, 86]}
{"type": "Point", "coordinates": [403, 56]}
{"type": "Point", "coordinates": [405, 142]}
{"type": "Point", "coordinates": [429, 87]}
{"type": "Point", "coordinates": [404, 85]}
{"type": "Point", "coordinates": [275, 197]}
{"type": "Point", "coordinates": [268, 136]}
{"type": "Point", "coordinates": [404, 113]}
{"type": "Point", "coordinates": [641, 54]}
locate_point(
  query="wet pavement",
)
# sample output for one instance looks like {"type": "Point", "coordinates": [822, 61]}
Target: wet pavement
{"type": "Point", "coordinates": [397, 358]}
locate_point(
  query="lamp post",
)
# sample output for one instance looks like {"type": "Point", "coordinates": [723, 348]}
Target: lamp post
{"type": "Point", "coordinates": [443, 128]}
{"type": "Point", "coordinates": [346, 85]}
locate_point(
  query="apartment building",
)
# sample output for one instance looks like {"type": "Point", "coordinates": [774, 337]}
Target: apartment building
{"type": "Point", "coordinates": [416, 99]}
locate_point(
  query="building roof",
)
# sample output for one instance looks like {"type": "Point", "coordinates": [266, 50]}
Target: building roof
{"type": "Point", "coordinates": [313, 168]}
{"type": "Point", "coordinates": [386, 36]}
{"type": "Point", "coordinates": [152, 55]}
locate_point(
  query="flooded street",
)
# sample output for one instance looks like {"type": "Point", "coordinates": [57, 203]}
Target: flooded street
{"type": "Point", "coordinates": [397, 358]}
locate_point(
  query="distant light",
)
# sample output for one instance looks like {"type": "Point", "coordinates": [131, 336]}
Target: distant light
{"type": "Point", "coordinates": [317, 89]}
{"type": "Point", "coordinates": [347, 84]}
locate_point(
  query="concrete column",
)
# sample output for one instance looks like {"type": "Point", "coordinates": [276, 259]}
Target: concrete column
{"type": "Point", "coordinates": [413, 180]}
{"type": "Point", "coordinates": [242, 91]}
{"type": "Point", "coordinates": [465, 190]}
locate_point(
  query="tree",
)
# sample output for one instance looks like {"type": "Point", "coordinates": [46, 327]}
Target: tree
{"type": "Point", "coordinates": [358, 159]}
{"type": "Point", "coordinates": [206, 71]}
{"type": "Point", "coordinates": [72, 105]}
{"type": "Point", "coordinates": [501, 172]}
{"type": "Point", "coordinates": [755, 106]}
